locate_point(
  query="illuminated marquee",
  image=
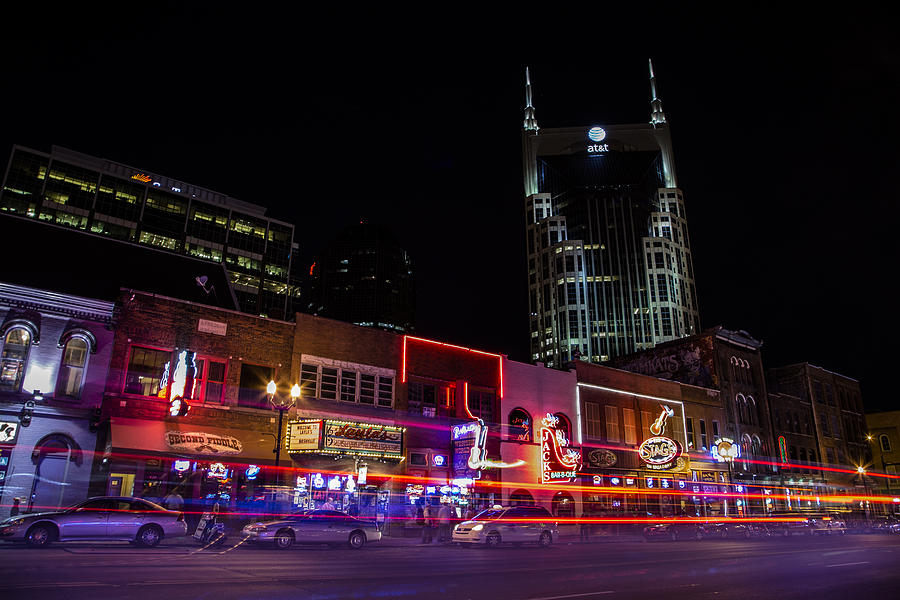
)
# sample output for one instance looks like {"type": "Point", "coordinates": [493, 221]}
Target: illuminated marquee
{"type": "Point", "coordinates": [559, 463]}
{"type": "Point", "coordinates": [725, 450]}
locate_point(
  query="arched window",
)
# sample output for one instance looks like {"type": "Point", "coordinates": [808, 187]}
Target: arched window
{"type": "Point", "coordinates": [563, 505]}
{"type": "Point", "coordinates": [564, 425]}
{"type": "Point", "coordinates": [746, 444]}
{"type": "Point", "coordinates": [521, 498]}
{"type": "Point", "coordinates": [14, 358]}
{"type": "Point", "coordinates": [740, 403]}
{"type": "Point", "coordinates": [71, 371]}
{"type": "Point", "coordinates": [520, 425]}
{"type": "Point", "coordinates": [885, 442]}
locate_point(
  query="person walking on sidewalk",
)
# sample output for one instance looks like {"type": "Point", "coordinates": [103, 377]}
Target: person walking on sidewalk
{"type": "Point", "coordinates": [444, 527]}
{"type": "Point", "coordinates": [427, 523]}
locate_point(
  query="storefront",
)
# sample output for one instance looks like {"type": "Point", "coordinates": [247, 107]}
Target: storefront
{"type": "Point", "coordinates": [352, 466]}
{"type": "Point", "coordinates": [206, 466]}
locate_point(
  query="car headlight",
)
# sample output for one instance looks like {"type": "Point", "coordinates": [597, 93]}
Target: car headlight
{"type": "Point", "coordinates": [478, 527]}
{"type": "Point", "coordinates": [13, 522]}
{"type": "Point", "coordinates": [256, 528]}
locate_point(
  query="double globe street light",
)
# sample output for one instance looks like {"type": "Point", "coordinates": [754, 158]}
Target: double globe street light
{"type": "Point", "coordinates": [281, 404]}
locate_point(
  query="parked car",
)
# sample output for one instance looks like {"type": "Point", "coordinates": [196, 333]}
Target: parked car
{"type": "Point", "coordinates": [827, 524]}
{"type": "Point", "coordinates": [101, 519]}
{"type": "Point", "coordinates": [799, 526]}
{"type": "Point", "coordinates": [729, 530]}
{"type": "Point", "coordinates": [330, 527]}
{"type": "Point", "coordinates": [518, 524]}
{"type": "Point", "coordinates": [675, 531]}
{"type": "Point", "coordinates": [884, 525]}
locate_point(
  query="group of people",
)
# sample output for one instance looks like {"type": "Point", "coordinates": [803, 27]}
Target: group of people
{"type": "Point", "coordinates": [438, 518]}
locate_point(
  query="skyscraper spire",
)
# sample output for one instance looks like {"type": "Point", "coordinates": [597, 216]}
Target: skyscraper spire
{"type": "Point", "coordinates": [530, 120]}
{"type": "Point", "coordinates": [657, 116]}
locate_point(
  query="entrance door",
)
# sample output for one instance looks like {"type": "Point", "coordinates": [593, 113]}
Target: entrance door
{"type": "Point", "coordinates": [49, 482]}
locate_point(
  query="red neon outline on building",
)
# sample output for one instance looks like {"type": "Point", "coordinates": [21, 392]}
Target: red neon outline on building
{"type": "Point", "coordinates": [418, 339]}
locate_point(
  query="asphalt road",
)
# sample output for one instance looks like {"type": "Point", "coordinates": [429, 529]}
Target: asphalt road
{"type": "Point", "coordinates": [862, 567]}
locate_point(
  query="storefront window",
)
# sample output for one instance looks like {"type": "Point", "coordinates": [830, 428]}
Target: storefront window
{"type": "Point", "coordinates": [563, 505]}
{"type": "Point", "coordinates": [519, 425]}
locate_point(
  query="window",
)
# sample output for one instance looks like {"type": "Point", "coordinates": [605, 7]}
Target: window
{"type": "Point", "coordinates": [715, 430]}
{"type": "Point", "coordinates": [593, 426]}
{"type": "Point", "coordinates": [422, 399]}
{"type": "Point", "coordinates": [564, 425]}
{"type": "Point", "coordinates": [630, 428]}
{"type": "Point", "coordinates": [348, 384]}
{"type": "Point", "coordinates": [16, 344]}
{"type": "Point", "coordinates": [254, 379]}
{"type": "Point", "coordinates": [71, 372]}
{"type": "Point", "coordinates": [209, 381]}
{"type": "Point", "coordinates": [646, 422]}
{"type": "Point", "coordinates": [612, 423]}
{"type": "Point", "coordinates": [519, 425]}
{"type": "Point", "coordinates": [690, 432]}
{"type": "Point", "coordinates": [481, 404]}
{"type": "Point", "coordinates": [885, 442]}
{"type": "Point", "coordinates": [704, 444]}
{"type": "Point", "coordinates": [145, 370]}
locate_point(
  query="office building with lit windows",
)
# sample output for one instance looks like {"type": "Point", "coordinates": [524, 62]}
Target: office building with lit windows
{"type": "Point", "coordinates": [104, 198]}
{"type": "Point", "coordinates": [609, 257]}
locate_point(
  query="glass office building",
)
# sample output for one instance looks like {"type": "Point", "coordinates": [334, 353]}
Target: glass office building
{"type": "Point", "coordinates": [609, 257]}
{"type": "Point", "coordinates": [104, 198]}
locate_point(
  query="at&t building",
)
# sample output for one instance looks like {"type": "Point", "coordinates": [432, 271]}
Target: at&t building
{"type": "Point", "coordinates": [609, 256]}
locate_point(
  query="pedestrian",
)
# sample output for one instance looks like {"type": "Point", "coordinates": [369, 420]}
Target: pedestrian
{"type": "Point", "coordinates": [444, 523]}
{"type": "Point", "coordinates": [14, 510]}
{"type": "Point", "coordinates": [585, 529]}
{"type": "Point", "coordinates": [427, 524]}
{"type": "Point", "coordinates": [329, 505]}
{"type": "Point", "coordinates": [174, 501]}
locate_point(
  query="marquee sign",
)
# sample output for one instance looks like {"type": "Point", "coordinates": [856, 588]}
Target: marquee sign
{"type": "Point", "coordinates": [330, 436]}
{"type": "Point", "coordinates": [468, 445]}
{"type": "Point", "coordinates": [199, 442]}
{"type": "Point", "coordinates": [725, 450]}
{"type": "Point", "coordinates": [659, 452]}
{"type": "Point", "coordinates": [559, 462]}
{"type": "Point", "coordinates": [597, 134]}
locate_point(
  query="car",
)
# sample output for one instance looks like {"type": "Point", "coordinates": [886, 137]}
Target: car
{"type": "Point", "coordinates": [331, 527]}
{"type": "Point", "coordinates": [508, 524]}
{"type": "Point", "coordinates": [729, 530]}
{"type": "Point", "coordinates": [884, 525]}
{"type": "Point", "coordinates": [674, 531]}
{"type": "Point", "coordinates": [798, 525]}
{"type": "Point", "coordinates": [105, 518]}
{"type": "Point", "coordinates": [827, 524]}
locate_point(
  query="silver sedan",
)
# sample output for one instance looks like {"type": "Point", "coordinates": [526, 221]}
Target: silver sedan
{"type": "Point", "coordinates": [330, 527]}
{"type": "Point", "coordinates": [101, 519]}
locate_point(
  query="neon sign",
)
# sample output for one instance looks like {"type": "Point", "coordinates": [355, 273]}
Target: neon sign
{"type": "Point", "coordinates": [659, 452]}
{"type": "Point", "coordinates": [218, 470]}
{"type": "Point", "coordinates": [559, 463]}
{"type": "Point", "coordinates": [182, 465]}
{"type": "Point", "coordinates": [725, 450]}
{"type": "Point", "coordinates": [252, 472]}
{"type": "Point", "coordinates": [659, 425]}
{"type": "Point", "coordinates": [597, 134]}
{"type": "Point", "coordinates": [142, 177]}
{"type": "Point", "coordinates": [782, 448]}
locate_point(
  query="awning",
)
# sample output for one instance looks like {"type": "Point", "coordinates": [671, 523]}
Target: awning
{"type": "Point", "coordinates": [184, 439]}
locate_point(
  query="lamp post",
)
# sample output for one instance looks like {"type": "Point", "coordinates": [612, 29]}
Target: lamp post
{"type": "Point", "coordinates": [862, 475]}
{"type": "Point", "coordinates": [281, 404]}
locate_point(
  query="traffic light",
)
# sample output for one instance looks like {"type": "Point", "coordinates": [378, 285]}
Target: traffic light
{"type": "Point", "coordinates": [178, 407]}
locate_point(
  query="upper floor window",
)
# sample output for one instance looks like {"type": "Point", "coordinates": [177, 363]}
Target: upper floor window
{"type": "Point", "coordinates": [520, 425]}
{"type": "Point", "coordinates": [348, 382]}
{"type": "Point", "coordinates": [885, 442]}
{"type": "Point", "coordinates": [481, 404]}
{"type": "Point", "coordinates": [564, 425]}
{"type": "Point", "coordinates": [592, 420]}
{"type": "Point", "coordinates": [71, 371]}
{"type": "Point", "coordinates": [145, 370]}
{"type": "Point", "coordinates": [14, 358]}
{"type": "Point", "coordinates": [209, 380]}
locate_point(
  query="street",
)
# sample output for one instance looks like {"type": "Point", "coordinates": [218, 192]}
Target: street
{"type": "Point", "coordinates": [860, 566]}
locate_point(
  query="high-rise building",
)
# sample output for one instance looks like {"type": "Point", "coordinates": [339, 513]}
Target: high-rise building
{"type": "Point", "coordinates": [609, 258]}
{"type": "Point", "coordinates": [100, 197]}
{"type": "Point", "coordinates": [364, 277]}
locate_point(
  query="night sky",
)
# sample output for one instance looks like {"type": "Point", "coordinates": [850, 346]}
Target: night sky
{"type": "Point", "coordinates": [784, 129]}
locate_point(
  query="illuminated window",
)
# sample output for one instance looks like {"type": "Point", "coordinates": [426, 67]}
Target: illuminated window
{"type": "Point", "coordinates": [145, 370]}
{"type": "Point", "coordinates": [209, 380]}
{"type": "Point", "coordinates": [161, 241]}
{"type": "Point", "coordinates": [519, 425]}
{"type": "Point", "coordinates": [630, 428]}
{"type": "Point", "coordinates": [71, 372]}
{"type": "Point", "coordinates": [14, 358]}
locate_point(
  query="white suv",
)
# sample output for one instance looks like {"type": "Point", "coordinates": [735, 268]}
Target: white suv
{"type": "Point", "coordinates": [516, 524]}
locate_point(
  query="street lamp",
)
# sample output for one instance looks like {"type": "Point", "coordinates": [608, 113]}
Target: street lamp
{"type": "Point", "coordinates": [281, 404]}
{"type": "Point", "coordinates": [862, 475]}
